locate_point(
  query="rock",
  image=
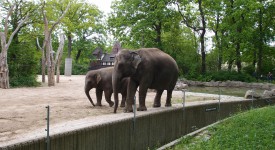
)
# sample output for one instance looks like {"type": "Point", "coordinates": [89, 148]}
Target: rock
{"type": "Point", "coordinates": [180, 86]}
{"type": "Point", "coordinates": [250, 93]}
{"type": "Point", "coordinates": [268, 94]}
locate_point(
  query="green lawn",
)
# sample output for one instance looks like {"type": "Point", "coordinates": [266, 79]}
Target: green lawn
{"type": "Point", "coordinates": [254, 129]}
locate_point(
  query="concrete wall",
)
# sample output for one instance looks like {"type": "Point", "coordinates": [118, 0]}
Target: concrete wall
{"type": "Point", "coordinates": [68, 67]}
{"type": "Point", "coordinates": [149, 130]}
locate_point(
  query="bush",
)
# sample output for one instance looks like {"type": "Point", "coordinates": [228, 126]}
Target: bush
{"type": "Point", "coordinates": [79, 69]}
{"type": "Point", "coordinates": [23, 61]}
{"type": "Point", "coordinates": [18, 81]}
{"type": "Point", "coordinates": [222, 76]}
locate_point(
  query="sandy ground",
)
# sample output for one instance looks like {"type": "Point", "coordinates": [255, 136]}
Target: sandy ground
{"type": "Point", "coordinates": [24, 109]}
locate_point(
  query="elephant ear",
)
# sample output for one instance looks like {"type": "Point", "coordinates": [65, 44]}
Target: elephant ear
{"type": "Point", "coordinates": [136, 59]}
{"type": "Point", "coordinates": [98, 78]}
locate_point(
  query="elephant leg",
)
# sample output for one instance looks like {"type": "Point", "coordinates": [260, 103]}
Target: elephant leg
{"type": "Point", "coordinates": [108, 95]}
{"type": "Point", "coordinates": [142, 97]}
{"type": "Point", "coordinates": [131, 91]}
{"type": "Point", "coordinates": [122, 104]}
{"type": "Point", "coordinates": [157, 98]}
{"type": "Point", "coordinates": [98, 97]}
{"type": "Point", "coordinates": [168, 98]}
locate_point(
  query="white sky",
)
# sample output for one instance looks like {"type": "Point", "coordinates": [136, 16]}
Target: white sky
{"type": "Point", "coordinates": [103, 5]}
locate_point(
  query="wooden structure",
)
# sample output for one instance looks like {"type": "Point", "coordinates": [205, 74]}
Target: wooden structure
{"type": "Point", "coordinates": [101, 59]}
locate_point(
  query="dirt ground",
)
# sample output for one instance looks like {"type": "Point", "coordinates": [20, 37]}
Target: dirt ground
{"type": "Point", "coordinates": [24, 109]}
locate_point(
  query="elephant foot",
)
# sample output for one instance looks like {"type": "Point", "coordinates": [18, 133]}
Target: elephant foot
{"type": "Point", "coordinates": [156, 105]}
{"type": "Point", "coordinates": [128, 109]}
{"type": "Point", "coordinates": [122, 105]}
{"type": "Point", "coordinates": [98, 104]}
{"type": "Point", "coordinates": [168, 105]}
{"type": "Point", "coordinates": [111, 103]}
{"type": "Point", "coordinates": [141, 108]}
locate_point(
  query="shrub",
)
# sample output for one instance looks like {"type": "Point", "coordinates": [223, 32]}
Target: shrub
{"type": "Point", "coordinates": [23, 61]}
{"type": "Point", "coordinates": [222, 76]}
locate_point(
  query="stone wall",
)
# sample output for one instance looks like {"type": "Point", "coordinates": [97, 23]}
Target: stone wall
{"type": "Point", "coordinates": [265, 86]}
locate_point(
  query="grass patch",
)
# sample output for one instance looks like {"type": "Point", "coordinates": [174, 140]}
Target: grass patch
{"type": "Point", "coordinates": [254, 129]}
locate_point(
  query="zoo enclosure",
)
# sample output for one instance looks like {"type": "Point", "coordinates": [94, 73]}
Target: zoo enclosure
{"type": "Point", "coordinates": [149, 130]}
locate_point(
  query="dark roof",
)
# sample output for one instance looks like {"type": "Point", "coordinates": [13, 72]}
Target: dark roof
{"type": "Point", "coordinates": [97, 51]}
{"type": "Point", "coordinates": [108, 58]}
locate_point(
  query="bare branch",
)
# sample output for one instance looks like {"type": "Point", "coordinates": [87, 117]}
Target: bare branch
{"type": "Point", "coordinates": [60, 48]}
{"type": "Point", "coordinates": [186, 21]}
{"type": "Point", "coordinates": [3, 40]}
{"type": "Point", "coordinates": [59, 19]}
{"type": "Point", "coordinates": [16, 30]}
{"type": "Point", "coordinates": [38, 45]}
{"type": "Point", "coordinates": [7, 19]}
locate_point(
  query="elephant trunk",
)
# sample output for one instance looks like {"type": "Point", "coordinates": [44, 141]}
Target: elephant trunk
{"type": "Point", "coordinates": [115, 81]}
{"type": "Point", "coordinates": [87, 90]}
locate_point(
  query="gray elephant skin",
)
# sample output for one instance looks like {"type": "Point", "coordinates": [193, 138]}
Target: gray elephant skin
{"type": "Point", "coordinates": [147, 68]}
{"type": "Point", "coordinates": [101, 79]}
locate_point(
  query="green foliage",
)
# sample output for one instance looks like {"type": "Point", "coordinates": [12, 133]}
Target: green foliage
{"type": "Point", "coordinates": [23, 64]}
{"type": "Point", "coordinates": [141, 23]}
{"type": "Point", "coordinates": [249, 130]}
{"type": "Point", "coordinates": [250, 69]}
{"type": "Point", "coordinates": [148, 23]}
{"type": "Point", "coordinates": [80, 69]}
{"type": "Point", "coordinates": [221, 76]}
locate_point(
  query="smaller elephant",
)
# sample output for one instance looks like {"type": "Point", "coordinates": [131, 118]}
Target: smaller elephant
{"type": "Point", "coordinates": [101, 79]}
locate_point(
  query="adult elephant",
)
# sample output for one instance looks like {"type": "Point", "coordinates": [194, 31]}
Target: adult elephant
{"type": "Point", "coordinates": [101, 79]}
{"type": "Point", "coordinates": [147, 68]}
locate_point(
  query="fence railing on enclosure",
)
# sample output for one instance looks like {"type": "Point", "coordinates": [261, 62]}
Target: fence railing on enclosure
{"type": "Point", "coordinates": [148, 130]}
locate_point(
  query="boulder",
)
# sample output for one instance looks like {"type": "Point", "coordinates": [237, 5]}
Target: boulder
{"type": "Point", "coordinates": [250, 93]}
{"type": "Point", "coordinates": [268, 94]}
{"type": "Point", "coordinates": [180, 86]}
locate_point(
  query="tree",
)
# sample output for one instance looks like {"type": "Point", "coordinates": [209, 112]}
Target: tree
{"type": "Point", "coordinates": [139, 23]}
{"type": "Point", "coordinates": [58, 57]}
{"type": "Point", "coordinates": [198, 24]}
{"type": "Point", "coordinates": [47, 44]}
{"type": "Point", "coordinates": [4, 69]}
{"type": "Point", "coordinates": [82, 17]}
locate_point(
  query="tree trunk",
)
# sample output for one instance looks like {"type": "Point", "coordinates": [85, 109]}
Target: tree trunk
{"type": "Point", "coordinates": [78, 55]}
{"type": "Point", "coordinates": [58, 57]}
{"type": "Point", "coordinates": [43, 65]}
{"type": "Point", "coordinates": [238, 57]}
{"type": "Point", "coordinates": [219, 51]}
{"type": "Point", "coordinates": [261, 39]}
{"type": "Point", "coordinates": [203, 54]}
{"type": "Point", "coordinates": [51, 63]}
{"type": "Point", "coordinates": [4, 68]}
{"type": "Point", "coordinates": [218, 42]}
{"type": "Point", "coordinates": [69, 36]}
{"type": "Point", "coordinates": [49, 59]}
{"type": "Point", "coordinates": [158, 38]}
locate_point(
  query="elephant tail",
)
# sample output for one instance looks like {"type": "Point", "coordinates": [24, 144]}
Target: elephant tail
{"type": "Point", "coordinates": [89, 97]}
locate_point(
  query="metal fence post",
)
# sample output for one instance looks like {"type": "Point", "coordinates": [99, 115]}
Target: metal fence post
{"type": "Point", "coordinates": [134, 110]}
{"type": "Point", "coordinates": [219, 103]}
{"type": "Point", "coordinates": [252, 91]}
{"type": "Point", "coordinates": [48, 128]}
{"type": "Point", "coordinates": [183, 99]}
